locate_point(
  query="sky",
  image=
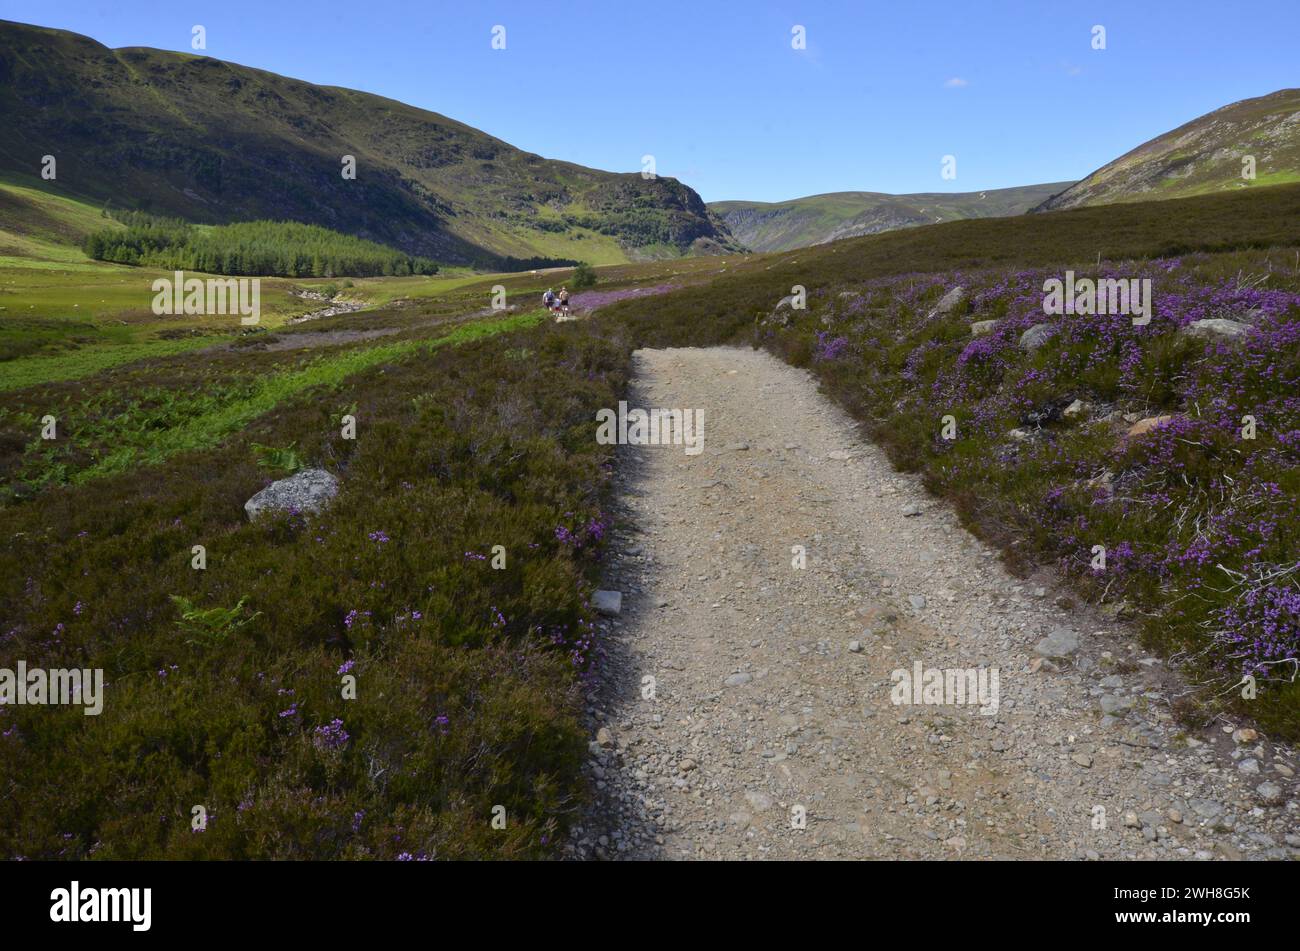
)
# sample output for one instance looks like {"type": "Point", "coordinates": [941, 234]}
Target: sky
{"type": "Point", "coordinates": [717, 93]}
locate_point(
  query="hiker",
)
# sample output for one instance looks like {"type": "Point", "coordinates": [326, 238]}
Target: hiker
{"type": "Point", "coordinates": [549, 300]}
{"type": "Point", "coordinates": [564, 301]}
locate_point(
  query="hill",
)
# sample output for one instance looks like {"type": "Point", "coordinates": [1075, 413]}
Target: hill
{"type": "Point", "coordinates": [1201, 157]}
{"type": "Point", "coordinates": [214, 142]}
{"type": "Point", "coordinates": [817, 219]}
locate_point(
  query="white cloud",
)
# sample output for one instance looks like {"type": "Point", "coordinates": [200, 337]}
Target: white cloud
{"type": "Point", "coordinates": [956, 83]}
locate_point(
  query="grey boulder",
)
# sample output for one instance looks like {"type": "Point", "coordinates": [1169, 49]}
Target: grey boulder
{"type": "Point", "coordinates": [1215, 327]}
{"type": "Point", "coordinates": [948, 303]}
{"type": "Point", "coordinates": [609, 603]}
{"type": "Point", "coordinates": [1035, 337]}
{"type": "Point", "coordinates": [307, 492]}
{"type": "Point", "coordinates": [1059, 644]}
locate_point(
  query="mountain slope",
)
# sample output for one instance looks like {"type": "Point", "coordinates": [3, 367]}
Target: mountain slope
{"type": "Point", "coordinates": [782, 226]}
{"type": "Point", "coordinates": [1201, 157]}
{"type": "Point", "coordinates": [210, 141]}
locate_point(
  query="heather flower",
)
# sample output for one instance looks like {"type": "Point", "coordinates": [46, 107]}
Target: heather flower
{"type": "Point", "coordinates": [590, 300]}
{"type": "Point", "coordinates": [332, 736]}
{"type": "Point", "coordinates": [1262, 629]}
{"type": "Point", "coordinates": [829, 348]}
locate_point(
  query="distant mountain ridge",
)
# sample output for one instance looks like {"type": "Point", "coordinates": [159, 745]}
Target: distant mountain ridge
{"type": "Point", "coordinates": [817, 219]}
{"type": "Point", "coordinates": [1201, 156]}
{"type": "Point", "coordinates": [213, 142]}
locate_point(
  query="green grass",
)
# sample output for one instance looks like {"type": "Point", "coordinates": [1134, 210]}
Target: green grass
{"type": "Point", "coordinates": [32, 210]}
{"type": "Point", "coordinates": [1286, 177]}
{"type": "Point", "coordinates": [66, 321]}
{"type": "Point", "coordinates": [30, 371]}
{"type": "Point", "coordinates": [377, 291]}
{"type": "Point", "coordinates": [162, 424]}
{"type": "Point", "coordinates": [62, 323]}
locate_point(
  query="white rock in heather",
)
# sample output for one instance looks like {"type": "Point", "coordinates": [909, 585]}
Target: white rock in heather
{"type": "Point", "coordinates": [1215, 327]}
{"type": "Point", "coordinates": [1035, 337]}
{"type": "Point", "coordinates": [948, 303]}
{"type": "Point", "coordinates": [307, 491]}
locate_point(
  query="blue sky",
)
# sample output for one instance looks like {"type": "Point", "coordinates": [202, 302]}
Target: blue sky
{"type": "Point", "coordinates": [714, 91]}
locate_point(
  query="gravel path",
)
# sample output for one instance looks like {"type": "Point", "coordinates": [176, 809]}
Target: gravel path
{"type": "Point", "coordinates": [772, 733]}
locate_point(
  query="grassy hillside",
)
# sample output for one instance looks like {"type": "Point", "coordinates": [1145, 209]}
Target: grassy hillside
{"type": "Point", "coordinates": [214, 142]}
{"type": "Point", "coordinates": [1202, 157]}
{"type": "Point", "coordinates": [38, 224]}
{"type": "Point", "coordinates": [817, 219]}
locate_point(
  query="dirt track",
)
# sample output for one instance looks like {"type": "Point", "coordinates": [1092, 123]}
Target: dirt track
{"type": "Point", "coordinates": [773, 686]}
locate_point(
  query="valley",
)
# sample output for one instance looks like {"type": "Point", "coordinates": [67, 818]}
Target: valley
{"type": "Point", "coordinates": [818, 219]}
{"type": "Point", "coordinates": [932, 525]}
